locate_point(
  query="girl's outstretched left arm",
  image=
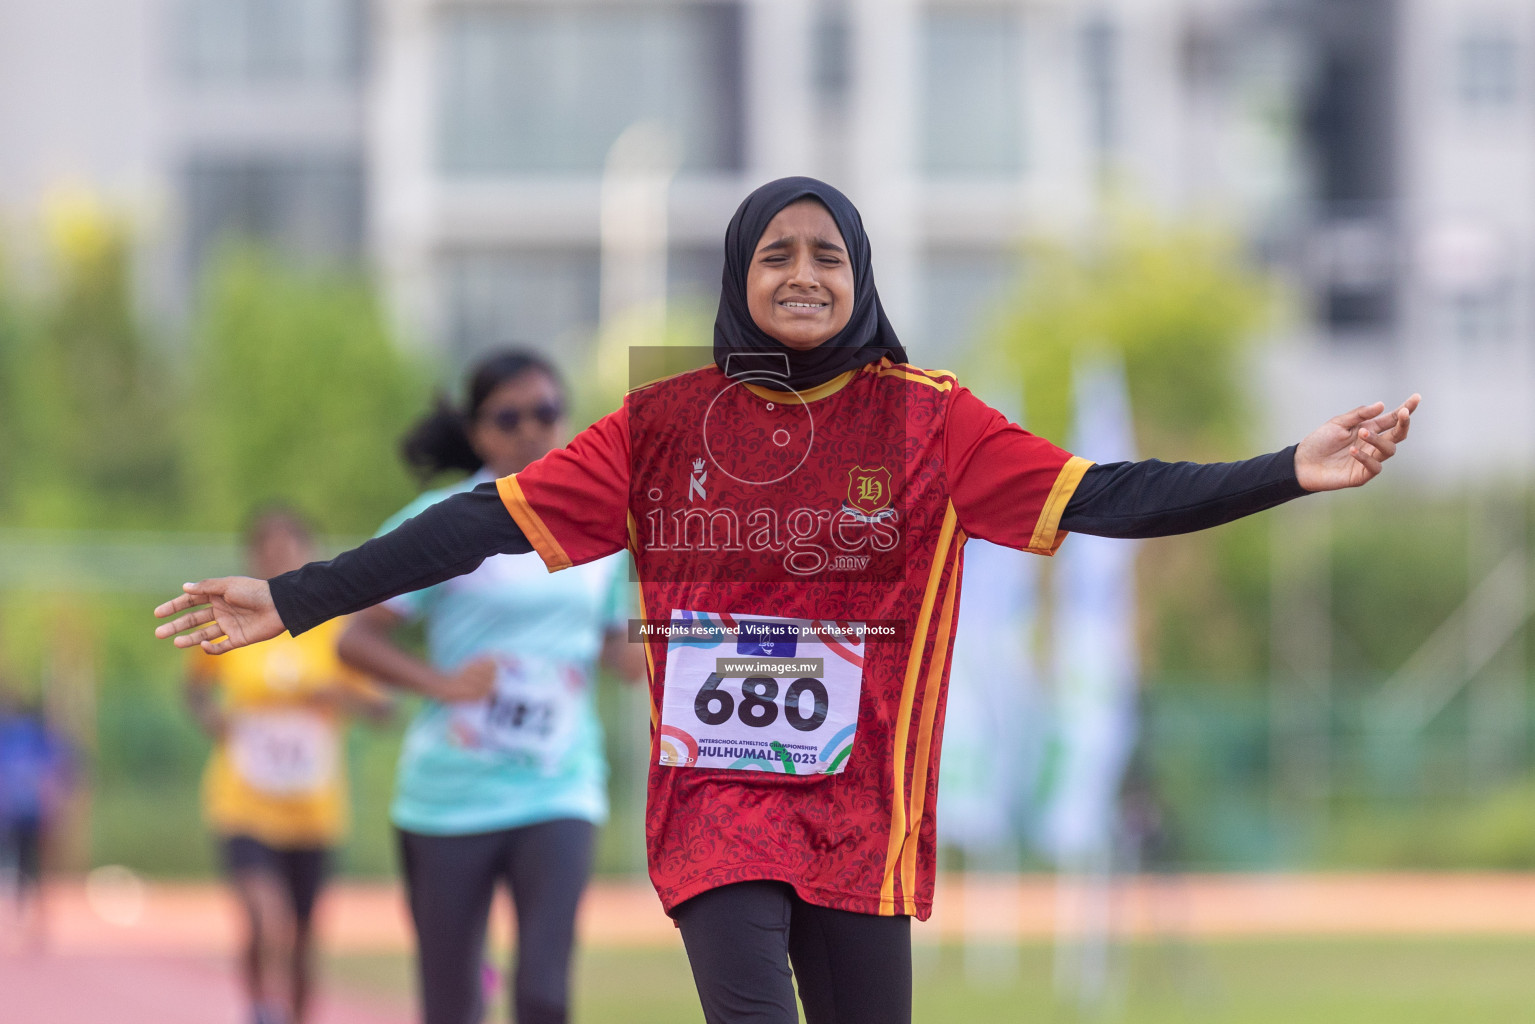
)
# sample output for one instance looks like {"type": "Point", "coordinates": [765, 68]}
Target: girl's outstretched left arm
{"type": "Point", "coordinates": [1158, 499]}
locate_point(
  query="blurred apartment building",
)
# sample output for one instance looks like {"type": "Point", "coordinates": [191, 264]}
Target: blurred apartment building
{"type": "Point", "coordinates": [1419, 236]}
{"type": "Point", "coordinates": [1380, 152]}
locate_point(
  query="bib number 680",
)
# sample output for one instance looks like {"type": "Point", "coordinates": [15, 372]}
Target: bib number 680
{"type": "Point", "coordinates": [759, 709]}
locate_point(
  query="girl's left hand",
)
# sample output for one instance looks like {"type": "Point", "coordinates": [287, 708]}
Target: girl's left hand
{"type": "Point", "coordinates": [1347, 450]}
{"type": "Point", "coordinates": [225, 613]}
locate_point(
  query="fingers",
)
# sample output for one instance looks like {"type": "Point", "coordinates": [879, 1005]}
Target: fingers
{"type": "Point", "coordinates": [1401, 412]}
{"type": "Point", "coordinates": [193, 595]}
{"type": "Point", "coordinates": [219, 647]}
{"type": "Point", "coordinates": [1404, 415]}
{"type": "Point", "coordinates": [209, 588]}
{"type": "Point", "coordinates": [1382, 444]}
{"type": "Point", "coordinates": [1350, 420]}
{"type": "Point", "coordinates": [1370, 463]}
{"type": "Point", "coordinates": [1376, 441]}
{"type": "Point", "coordinates": [211, 632]}
{"type": "Point", "coordinates": [197, 618]}
{"type": "Point", "coordinates": [179, 604]}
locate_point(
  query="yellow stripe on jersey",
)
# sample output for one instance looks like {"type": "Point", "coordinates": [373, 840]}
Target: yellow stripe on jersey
{"type": "Point", "coordinates": [903, 719]}
{"type": "Point", "coordinates": [823, 390]}
{"type": "Point", "coordinates": [532, 526]}
{"type": "Point", "coordinates": [935, 374]}
{"type": "Point", "coordinates": [885, 363]}
{"type": "Point", "coordinates": [907, 372]}
{"type": "Point", "coordinates": [935, 676]}
{"type": "Point", "coordinates": [1047, 537]}
{"type": "Point", "coordinates": [650, 662]}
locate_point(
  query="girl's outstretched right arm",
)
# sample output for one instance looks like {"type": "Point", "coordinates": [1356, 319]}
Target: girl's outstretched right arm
{"type": "Point", "coordinates": [448, 539]}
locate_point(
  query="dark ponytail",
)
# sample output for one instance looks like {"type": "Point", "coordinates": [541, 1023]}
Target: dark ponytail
{"type": "Point", "coordinates": [439, 443]}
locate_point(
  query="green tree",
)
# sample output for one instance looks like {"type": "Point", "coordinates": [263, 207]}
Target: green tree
{"type": "Point", "coordinates": [1180, 306]}
{"type": "Point", "coordinates": [1178, 303]}
{"type": "Point", "coordinates": [11, 366]}
{"type": "Point", "coordinates": [298, 394]}
{"type": "Point", "coordinates": [88, 422]}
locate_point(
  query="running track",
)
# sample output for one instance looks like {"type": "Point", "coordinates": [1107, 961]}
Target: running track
{"type": "Point", "coordinates": [137, 989]}
{"type": "Point", "coordinates": [163, 957]}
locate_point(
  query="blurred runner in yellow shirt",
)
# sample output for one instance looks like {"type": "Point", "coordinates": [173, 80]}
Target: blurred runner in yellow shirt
{"type": "Point", "coordinates": [275, 789]}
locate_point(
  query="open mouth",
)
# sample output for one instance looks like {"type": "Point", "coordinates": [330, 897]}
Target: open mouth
{"type": "Point", "coordinates": [803, 305]}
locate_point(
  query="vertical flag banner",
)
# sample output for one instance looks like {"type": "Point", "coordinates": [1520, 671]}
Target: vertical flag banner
{"type": "Point", "coordinates": [1096, 671]}
{"type": "Point", "coordinates": [1095, 658]}
{"type": "Point", "coordinates": [995, 724]}
{"type": "Point", "coordinates": [995, 729]}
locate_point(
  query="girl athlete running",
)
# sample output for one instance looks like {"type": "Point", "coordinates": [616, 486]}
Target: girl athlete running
{"type": "Point", "coordinates": [797, 513]}
{"type": "Point", "coordinates": [274, 792]}
{"type": "Point", "coordinates": [502, 775]}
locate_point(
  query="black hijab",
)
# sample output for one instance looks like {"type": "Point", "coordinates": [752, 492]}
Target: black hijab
{"type": "Point", "coordinates": [742, 349]}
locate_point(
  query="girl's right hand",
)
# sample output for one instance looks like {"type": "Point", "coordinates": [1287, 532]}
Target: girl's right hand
{"type": "Point", "coordinates": [232, 611]}
{"type": "Point", "coordinates": [472, 682]}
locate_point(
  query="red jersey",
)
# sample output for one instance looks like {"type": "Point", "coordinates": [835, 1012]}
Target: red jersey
{"type": "Point", "coordinates": [819, 536]}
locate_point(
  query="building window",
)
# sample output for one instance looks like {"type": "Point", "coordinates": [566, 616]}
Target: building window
{"type": "Point", "coordinates": [307, 207]}
{"type": "Point", "coordinates": [547, 300]}
{"type": "Point", "coordinates": [1100, 68]}
{"type": "Point", "coordinates": [1352, 108]}
{"type": "Point", "coordinates": [832, 51]}
{"type": "Point", "coordinates": [1354, 260]}
{"type": "Point", "coordinates": [972, 92]}
{"type": "Point", "coordinates": [1487, 71]}
{"type": "Point", "coordinates": [235, 42]}
{"type": "Point", "coordinates": [547, 89]}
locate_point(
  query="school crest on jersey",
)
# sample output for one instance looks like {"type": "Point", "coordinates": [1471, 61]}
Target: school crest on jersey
{"type": "Point", "coordinates": [868, 490]}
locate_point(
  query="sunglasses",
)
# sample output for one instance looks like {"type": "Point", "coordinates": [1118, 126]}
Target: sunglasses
{"type": "Point", "coordinates": [545, 414]}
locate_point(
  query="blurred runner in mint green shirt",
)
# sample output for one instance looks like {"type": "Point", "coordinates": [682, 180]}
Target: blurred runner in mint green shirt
{"type": "Point", "coordinates": [502, 778]}
{"type": "Point", "coordinates": [532, 750]}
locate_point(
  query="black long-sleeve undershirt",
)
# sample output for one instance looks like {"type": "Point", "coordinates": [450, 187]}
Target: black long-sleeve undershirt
{"type": "Point", "coordinates": [1159, 499]}
{"type": "Point", "coordinates": [448, 539]}
{"type": "Point", "coordinates": [452, 537]}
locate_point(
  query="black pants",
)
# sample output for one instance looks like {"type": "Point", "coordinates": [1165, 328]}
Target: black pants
{"type": "Point", "coordinates": [21, 849]}
{"type": "Point", "coordinates": [303, 872]}
{"type": "Point", "coordinates": [450, 881]}
{"type": "Point", "coordinates": [851, 968]}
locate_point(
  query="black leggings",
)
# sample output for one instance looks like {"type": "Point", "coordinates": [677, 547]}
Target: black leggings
{"type": "Point", "coordinates": [302, 872]}
{"type": "Point", "coordinates": [450, 881]}
{"type": "Point", "coordinates": [851, 968]}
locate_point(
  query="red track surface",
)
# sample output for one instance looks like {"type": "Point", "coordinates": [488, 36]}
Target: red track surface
{"type": "Point", "coordinates": [199, 920]}
{"type": "Point", "coordinates": [163, 956]}
{"type": "Point", "coordinates": [137, 989]}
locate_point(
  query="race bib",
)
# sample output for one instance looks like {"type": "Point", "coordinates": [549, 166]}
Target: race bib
{"type": "Point", "coordinates": [529, 716]}
{"type": "Point", "coordinates": [760, 693]}
{"type": "Point", "coordinates": [283, 753]}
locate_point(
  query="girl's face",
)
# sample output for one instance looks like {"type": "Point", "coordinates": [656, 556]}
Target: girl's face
{"type": "Point", "coordinates": [519, 422]}
{"type": "Point", "coordinates": [799, 287]}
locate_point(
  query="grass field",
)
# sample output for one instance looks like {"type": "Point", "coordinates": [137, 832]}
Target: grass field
{"type": "Point", "coordinates": [1357, 981]}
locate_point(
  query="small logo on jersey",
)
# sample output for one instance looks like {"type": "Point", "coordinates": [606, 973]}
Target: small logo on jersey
{"type": "Point", "coordinates": [678, 747]}
{"type": "Point", "coordinates": [766, 639]}
{"type": "Point", "coordinates": [868, 490]}
{"type": "Point", "coordinates": [696, 482]}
